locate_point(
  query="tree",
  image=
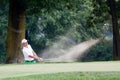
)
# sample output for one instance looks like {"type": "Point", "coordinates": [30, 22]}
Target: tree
{"type": "Point", "coordinates": [16, 31]}
{"type": "Point", "coordinates": [108, 10]}
{"type": "Point", "coordinates": [16, 24]}
{"type": "Point", "coordinates": [116, 36]}
{"type": "Point", "coordinates": [72, 13]}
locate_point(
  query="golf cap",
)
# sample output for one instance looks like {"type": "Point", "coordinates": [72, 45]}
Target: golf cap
{"type": "Point", "coordinates": [23, 41]}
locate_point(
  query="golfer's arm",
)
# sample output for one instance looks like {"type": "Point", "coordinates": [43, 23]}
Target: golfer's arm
{"type": "Point", "coordinates": [33, 56]}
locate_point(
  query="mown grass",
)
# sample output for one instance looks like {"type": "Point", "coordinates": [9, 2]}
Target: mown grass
{"type": "Point", "coordinates": [71, 76]}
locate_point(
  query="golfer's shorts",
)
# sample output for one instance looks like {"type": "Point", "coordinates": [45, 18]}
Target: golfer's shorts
{"type": "Point", "coordinates": [30, 62]}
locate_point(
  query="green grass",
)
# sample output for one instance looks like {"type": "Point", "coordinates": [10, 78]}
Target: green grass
{"type": "Point", "coordinates": [61, 71]}
{"type": "Point", "coordinates": [71, 76]}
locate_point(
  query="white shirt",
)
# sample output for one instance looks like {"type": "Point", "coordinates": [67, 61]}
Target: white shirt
{"type": "Point", "coordinates": [26, 52]}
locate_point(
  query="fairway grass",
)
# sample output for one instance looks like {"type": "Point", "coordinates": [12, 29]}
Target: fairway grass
{"type": "Point", "coordinates": [46, 69]}
{"type": "Point", "coordinates": [71, 76]}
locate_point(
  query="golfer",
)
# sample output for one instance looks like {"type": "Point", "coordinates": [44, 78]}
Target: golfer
{"type": "Point", "coordinates": [29, 55]}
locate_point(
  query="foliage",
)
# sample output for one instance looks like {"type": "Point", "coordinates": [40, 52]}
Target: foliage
{"type": "Point", "coordinates": [61, 21]}
{"type": "Point", "coordinates": [3, 29]}
{"type": "Point", "coordinates": [103, 51]}
{"type": "Point", "coordinates": [50, 20]}
{"type": "Point", "coordinates": [71, 76]}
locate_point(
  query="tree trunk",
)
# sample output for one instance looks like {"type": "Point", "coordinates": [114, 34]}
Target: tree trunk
{"type": "Point", "coordinates": [16, 31]}
{"type": "Point", "coordinates": [116, 42]}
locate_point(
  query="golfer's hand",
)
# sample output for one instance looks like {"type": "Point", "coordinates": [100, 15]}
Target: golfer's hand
{"type": "Point", "coordinates": [40, 59]}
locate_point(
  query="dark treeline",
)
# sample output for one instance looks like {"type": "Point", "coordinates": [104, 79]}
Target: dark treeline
{"type": "Point", "coordinates": [45, 24]}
